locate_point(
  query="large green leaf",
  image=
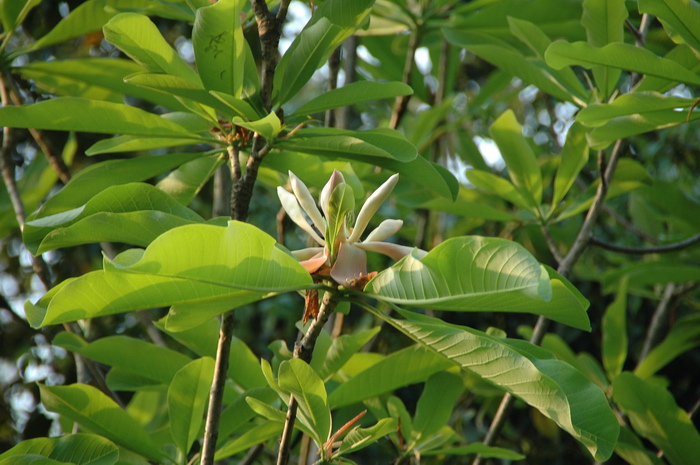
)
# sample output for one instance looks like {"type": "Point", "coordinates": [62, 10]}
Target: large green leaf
{"type": "Point", "coordinates": [134, 213]}
{"type": "Point", "coordinates": [683, 337]}
{"type": "Point", "coordinates": [219, 46]}
{"type": "Point", "coordinates": [604, 21]}
{"type": "Point", "coordinates": [140, 39]}
{"type": "Point", "coordinates": [680, 17]}
{"type": "Point", "coordinates": [351, 94]}
{"type": "Point", "coordinates": [520, 159]}
{"type": "Point", "coordinates": [98, 413]}
{"type": "Point", "coordinates": [618, 55]}
{"type": "Point", "coordinates": [530, 373]}
{"type": "Point", "coordinates": [299, 379]}
{"type": "Point", "coordinates": [78, 449]}
{"type": "Point", "coordinates": [194, 264]}
{"type": "Point", "coordinates": [187, 398]}
{"type": "Point", "coordinates": [480, 274]}
{"type": "Point", "coordinates": [83, 115]}
{"type": "Point", "coordinates": [407, 366]}
{"type": "Point", "coordinates": [655, 415]}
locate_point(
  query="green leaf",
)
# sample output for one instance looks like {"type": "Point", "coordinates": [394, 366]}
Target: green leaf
{"type": "Point", "coordinates": [14, 12]}
{"type": "Point", "coordinates": [95, 178]}
{"type": "Point", "coordinates": [510, 60]}
{"type": "Point", "coordinates": [268, 127]}
{"type": "Point", "coordinates": [359, 438]}
{"type": "Point", "coordinates": [530, 373]}
{"type": "Point", "coordinates": [255, 435]}
{"type": "Point", "coordinates": [630, 448]}
{"type": "Point", "coordinates": [407, 366]}
{"type": "Point", "coordinates": [149, 361]}
{"type": "Point", "coordinates": [496, 185]}
{"type": "Point", "coordinates": [78, 449]}
{"type": "Point", "coordinates": [520, 159]}
{"type": "Point", "coordinates": [88, 17]}
{"type": "Point", "coordinates": [574, 157]}
{"type": "Point", "coordinates": [617, 55]}
{"type": "Point", "coordinates": [185, 183]}
{"type": "Point", "coordinates": [615, 333]}
{"type": "Point", "coordinates": [640, 104]}
{"type": "Point", "coordinates": [133, 213]}
{"type": "Point", "coordinates": [236, 106]}
{"type": "Point", "coordinates": [436, 403]}
{"type": "Point", "coordinates": [655, 416]}
{"type": "Point", "coordinates": [680, 17]}
{"type": "Point", "coordinates": [298, 378]}
{"type": "Point", "coordinates": [83, 115]}
{"type": "Point", "coordinates": [478, 448]}
{"type": "Point", "coordinates": [340, 351]}
{"type": "Point", "coordinates": [140, 39]}
{"type": "Point", "coordinates": [480, 274]}
{"type": "Point", "coordinates": [101, 415]}
{"type": "Point", "coordinates": [683, 337]}
{"type": "Point", "coordinates": [219, 46]}
{"type": "Point", "coordinates": [94, 78]}
{"type": "Point", "coordinates": [187, 398]}
{"type": "Point", "coordinates": [604, 21]}
{"type": "Point", "coordinates": [194, 264]}
{"type": "Point", "coordinates": [121, 144]}
{"type": "Point", "coordinates": [351, 94]}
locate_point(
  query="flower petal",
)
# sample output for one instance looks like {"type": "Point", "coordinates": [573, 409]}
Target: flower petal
{"type": "Point", "coordinates": [371, 206]}
{"type": "Point", "coordinates": [305, 254]}
{"type": "Point", "coordinates": [336, 178]}
{"type": "Point", "coordinates": [350, 264]}
{"type": "Point", "coordinates": [307, 202]}
{"type": "Point", "coordinates": [313, 264]}
{"type": "Point", "coordinates": [291, 206]}
{"type": "Point", "coordinates": [385, 230]}
{"type": "Point", "coordinates": [395, 251]}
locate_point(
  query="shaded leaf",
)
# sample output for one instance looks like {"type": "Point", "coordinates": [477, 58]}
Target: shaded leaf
{"type": "Point", "coordinates": [351, 94]}
{"type": "Point", "coordinates": [683, 337]}
{"type": "Point", "coordinates": [574, 157]}
{"type": "Point", "coordinates": [359, 438]}
{"type": "Point", "coordinates": [678, 16]}
{"type": "Point", "coordinates": [79, 449]}
{"type": "Point", "coordinates": [298, 378]}
{"type": "Point", "coordinates": [604, 22]}
{"type": "Point", "coordinates": [255, 435]}
{"type": "Point", "coordinates": [478, 448]}
{"type": "Point", "coordinates": [436, 403]}
{"type": "Point", "coordinates": [615, 333]}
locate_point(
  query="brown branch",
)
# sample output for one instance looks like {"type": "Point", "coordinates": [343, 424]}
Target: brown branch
{"type": "Point", "coordinates": [333, 70]}
{"type": "Point", "coordinates": [665, 248]}
{"type": "Point", "coordinates": [303, 350]}
{"type": "Point", "coordinates": [401, 103]}
{"type": "Point", "coordinates": [350, 68]}
{"type": "Point", "coordinates": [565, 267]}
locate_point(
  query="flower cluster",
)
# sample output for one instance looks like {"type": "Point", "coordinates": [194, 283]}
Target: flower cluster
{"type": "Point", "coordinates": [340, 247]}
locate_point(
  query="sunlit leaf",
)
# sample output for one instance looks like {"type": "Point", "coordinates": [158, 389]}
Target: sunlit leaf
{"type": "Point", "coordinates": [680, 17]}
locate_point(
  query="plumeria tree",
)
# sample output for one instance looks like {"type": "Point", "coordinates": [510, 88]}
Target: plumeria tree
{"type": "Point", "coordinates": [197, 336]}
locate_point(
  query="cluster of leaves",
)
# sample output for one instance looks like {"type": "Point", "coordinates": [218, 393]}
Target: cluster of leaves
{"type": "Point", "coordinates": [179, 127]}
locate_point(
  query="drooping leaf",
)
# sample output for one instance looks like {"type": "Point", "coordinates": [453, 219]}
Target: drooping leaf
{"type": "Point", "coordinates": [351, 94]}
{"type": "Point", "coordinates": [574, 157]}
{"type": "Point", "coordinates": [618, 55]}
{"type": "Point", "coordinates": [436, 403]}
{"type": "Point", "coordinates": [520, 159]}
{"type": "Point", "coordinates": [134, 213]}
{"type": "Point", "coordinates": [340, 351]}
{"type": "Point", "coordinates": [187, 398]}
{"type": "Point", "coordinates": [268, 127]}
{"type": "Point", "coordinates": [683, 337]}
{"type": "Point", "coordinates": [79, 449]}
{"type": "Point", "coordinates": [95, 411]}
{"type": "Point", "coordinates": [191, 264]}
{"type": "Point", "coordinates": [408, 366]}
{"type": "Point", "coordinates": [298, 378]}
{"type": "Point", "coordinates": [255, 435]}
{"type": "Point", "coordinates": [138, 37]}
{"type": "Point", "coordinates": [480, 274]}
{"type": "Point", "coordinates": [219, 46]}
{"type": "Point", "coordinates": [655, 416]}
{"type": "Point", "coordinates": [530, 373]}
{"type": "Point", "coordinates": [615, 333]}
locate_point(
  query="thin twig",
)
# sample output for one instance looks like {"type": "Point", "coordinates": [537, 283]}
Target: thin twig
{"type": "Point", "coordinates": [565, 267]}
{"type": "Point", "coordinates": [665, 248]}
{"type": "Point", "coordinates": [551, 244]}
{"type": "Point", "coordinates": [401, 103]}
{"type": "Point", "coordinates": [303, 350]}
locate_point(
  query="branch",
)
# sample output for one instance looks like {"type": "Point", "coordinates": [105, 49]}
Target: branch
{"type": "Point", "coordinates": [665, 248]}
{"type": "Point", "coordinates": [303, 350]}
{"type": "Point", "coordinates": [350, 59]}
{"type": "Point", "coordinates": [401, 103]}
{"type": "Point", "coordinates": [333, 70]}
{"type": "Point", "coordinates": [565, 266]}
